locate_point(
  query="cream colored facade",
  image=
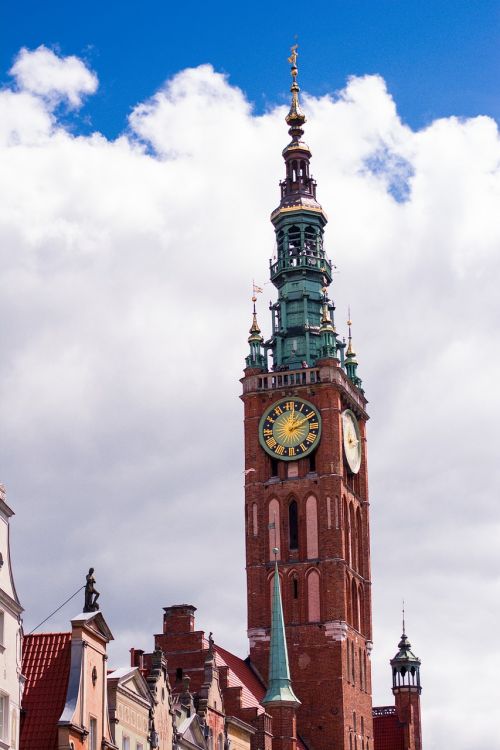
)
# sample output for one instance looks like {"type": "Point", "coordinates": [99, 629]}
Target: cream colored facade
{"type": "Point", "coordinates": [11, 680]}
{"type": "Point", "coordinates": [239, 733]}
{"type": "Point", "coordinates": [129, 706]}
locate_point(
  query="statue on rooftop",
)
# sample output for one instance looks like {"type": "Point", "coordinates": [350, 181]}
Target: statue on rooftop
{"type": "Point", "coordinates": [91, 593]}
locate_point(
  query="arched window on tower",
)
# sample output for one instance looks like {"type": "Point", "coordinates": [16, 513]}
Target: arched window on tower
{"type": "Point", "coordinates": [361, 604]}
{"type": "Point", "coordinates": [359, 537]}
{"type": "Point", "coordinates": [348, 597]}
{"type": "Point", "coordinates": [310, 240]}
{"type": "Point", "coordinates": [255, 526]}
{"type": "Point", "coordinates": [293, 525]}
{"type": "Point", "coordinates": [274, 528]}
{"type": "Point", "coordinates": [294, 247]}
{"type": "Point", "coordinates": [312, 527]}
{"type": "Point", "coordinates": [355, 605]}
{"type": "Point", "coordinates": [347, 534]}
{"type": "Point", "coordinates": [313, 597]}
{"type": "Point", "coordinates": [294, 582]}
{"type": "Point", "coordinates": [352, 530]}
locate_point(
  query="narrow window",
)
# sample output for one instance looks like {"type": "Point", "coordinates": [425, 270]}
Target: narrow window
{"type": "Point", "coordinates": [274, 467]}
{"type": "Point", "coordinates": [355, 605]}
{"type": "Point", "coordinates": [312, 463]}
{"type": "Point", "coordinates": [313, 597]}
{"type": "Point", "coordinates": [274, 528]}
{"type": "Point", "coordinates": [312, 527]}
{"type": "Point", "coordinates": [329, 512]}
{"type": "Point", "coordinates": [359, 535]}
{"type": "Point", "coordinates": [293, 525]}
{"type": "Point", "coordinates": [352, 531]}
{"type": "Point", "coordinates": [2, 620]}
{"type": "Point", "coordinates": [295, 587]}
{"type": "Point", "coordinates": [178, 674]}
{"type": "Point", "coordinates": [353, 665]}
{"type": "Point", "coordinates": [93, 735]}
{"type": "Point", "coordinates": [254, 519]}
{"type": "Point", "coordinates": [4, 716]}
{"type": "Point", "coordinates": [348, 662]}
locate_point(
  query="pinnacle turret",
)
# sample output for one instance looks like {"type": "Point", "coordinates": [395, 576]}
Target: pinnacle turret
{"type": "Point", "coordinates": [255, 358]}
{"type": "Point", "coordinates": [351, 365]}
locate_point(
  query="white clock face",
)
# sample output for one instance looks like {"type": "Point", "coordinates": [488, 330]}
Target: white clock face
{"type": "Point", "coordinates": [352, 440]}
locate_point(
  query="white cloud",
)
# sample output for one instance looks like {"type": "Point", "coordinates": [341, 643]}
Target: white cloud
{"type": "Point", "coordinates": [125, 271]}
{"type": "Point", "coordinates": [55, 78]}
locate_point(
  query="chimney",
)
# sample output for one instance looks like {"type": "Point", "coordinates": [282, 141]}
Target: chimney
{"type": "Point", "coordinates": [179, 619]}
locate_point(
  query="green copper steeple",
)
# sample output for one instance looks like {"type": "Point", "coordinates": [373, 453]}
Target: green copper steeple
{"type": "Point", "coordinates": [351, 365]}
{"type": "Point", "coordinates": [279, 688]}
{"type": "Point", "coordinates": [300, 269]}
{"type": "Point", "coordinates": [255, 358]}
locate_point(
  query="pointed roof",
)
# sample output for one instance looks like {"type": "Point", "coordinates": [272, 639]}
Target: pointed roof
{"type": "Point", "coordinates": [405, 655]}
{"type": "Point", "coordinates": [279, 688]}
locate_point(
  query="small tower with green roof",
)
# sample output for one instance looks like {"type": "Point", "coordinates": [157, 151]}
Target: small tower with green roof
{"type": "Point", "coordinates": [406, 688]}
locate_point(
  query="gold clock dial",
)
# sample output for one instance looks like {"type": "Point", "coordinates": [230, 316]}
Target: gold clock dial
{"type": "Point", "coordinates": [290, 429]}
{"type": "Point", "coordinates": [352, 440]}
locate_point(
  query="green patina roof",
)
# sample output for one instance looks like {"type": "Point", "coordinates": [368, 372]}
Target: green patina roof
{"type": "Point", "coordinates": [279, 688]}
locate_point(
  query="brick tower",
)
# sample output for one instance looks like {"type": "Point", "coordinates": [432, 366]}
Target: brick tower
{"type": "Point", "coordinates": [406, 688]}
{"type": "Point", "coordinates": [306, 489]}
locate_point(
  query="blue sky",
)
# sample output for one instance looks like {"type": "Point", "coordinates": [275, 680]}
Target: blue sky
{"type": "Point", "coordinates": [439, 58]}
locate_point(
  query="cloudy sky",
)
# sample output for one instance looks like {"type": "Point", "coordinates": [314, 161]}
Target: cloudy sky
{"type": "Point", "coordinates": [125, 277]}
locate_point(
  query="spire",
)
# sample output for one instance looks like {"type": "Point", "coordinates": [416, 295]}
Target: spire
{"type": "Point", "coordinates": [295, 117]}
{"type": "Point", "coordinates": [279, 688]}
{"type": "Point", "coordinates": [405, 665]}
{"type": "Point", "coordinates": [255, 358]}
{"type": "Point", "coordinates": [351, 364]}
{"type": "Point", "coordinates": [328, 335]}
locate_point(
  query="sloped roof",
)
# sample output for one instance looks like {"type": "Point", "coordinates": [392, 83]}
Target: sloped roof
{"type": "Point", "coordinates": [240, 674]}
{"type": "Point", "coordinates": [46, 663]}
{"type": "Point", "coordinates": [388, 732]}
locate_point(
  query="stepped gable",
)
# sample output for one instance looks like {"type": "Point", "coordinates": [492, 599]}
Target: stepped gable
{"type": "Point", "coordinates": [46, 664]}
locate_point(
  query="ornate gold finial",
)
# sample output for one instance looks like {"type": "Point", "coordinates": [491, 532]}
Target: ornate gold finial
{"type": "Point", "coordinates": [254, 328]}
{"type": "Point", "coordinates": [295, 118]}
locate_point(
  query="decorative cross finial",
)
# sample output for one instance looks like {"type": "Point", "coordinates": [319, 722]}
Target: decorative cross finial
{"type": "Point", "coordinates": [404, 626]}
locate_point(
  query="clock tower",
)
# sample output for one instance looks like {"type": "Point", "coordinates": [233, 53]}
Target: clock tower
{"type": "Point", "coordinates": [306, 487]}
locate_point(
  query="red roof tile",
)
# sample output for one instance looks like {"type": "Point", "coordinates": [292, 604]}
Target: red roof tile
{"type": "Point", "coordinates": [240, 674]}
{"type": "Point", "coordinates": [388, 732]}
{"type": "Point", "coordinates": [46, 663]}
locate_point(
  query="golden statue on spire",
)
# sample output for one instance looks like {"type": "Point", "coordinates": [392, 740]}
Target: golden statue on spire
{"type": "Point", "coordinates": [293, 57]}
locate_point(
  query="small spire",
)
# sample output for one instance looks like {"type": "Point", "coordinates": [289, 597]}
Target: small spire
{"type": "Point", "coordinates": [404, 628]}
{"type": "Point", "coordinates": [279, 688]}
{"type": "Point", "coordinates": [351, 364]}
{"type": "Point", "coordinates": [255, 358]}
{"type": "Point", "coordinates": [295, 117]}
{"type": "Point", "coordinates": [350, 350]}
{"type": "Point", "coordinates": [255, 326]}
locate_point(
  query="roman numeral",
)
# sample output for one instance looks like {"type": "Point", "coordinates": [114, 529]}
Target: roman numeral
{"type": "Point", "coordinates": [280, 450]}
{"type": "Point", "coordinates": [311, 438]}
{"type": "Point", "coordinates": [267, 431]}
{"type": "Point", "coordinates": [289, 406]}
{"type": "Point", "coordinates": [271, 442]}
{"type": "Point", "coordinates": [291, 451]}
{"type": "Point", "coordinates": [278, 410]}
{"type": "Point", "coordinates": [304, 447]}
{"type": "Point", "coordinates": [314, 425]}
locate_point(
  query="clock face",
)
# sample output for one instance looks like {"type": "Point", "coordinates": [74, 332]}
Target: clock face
{"type": "Point", "coordinates": [352, 440]}
{"type": "Point", "coordinates": [290, 429]}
